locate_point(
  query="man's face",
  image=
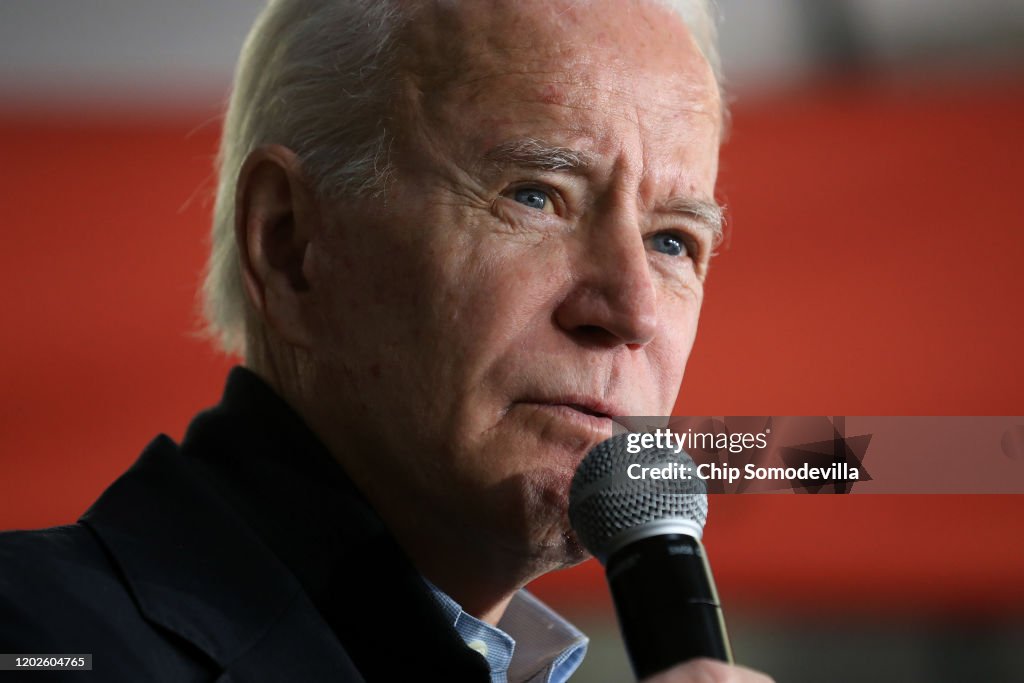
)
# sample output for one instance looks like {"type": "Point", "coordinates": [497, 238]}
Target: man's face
{"type": "Point", "coordinates": [537, 265]}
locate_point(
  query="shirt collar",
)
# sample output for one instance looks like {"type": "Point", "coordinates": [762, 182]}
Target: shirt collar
{"type": "Point", "coordinates": [530, 643]}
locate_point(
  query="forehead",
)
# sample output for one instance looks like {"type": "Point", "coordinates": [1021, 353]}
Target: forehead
{"type": "Point", "coordinates": [589, 69]}
{"type": "Point", "coordinates": [444, 32]}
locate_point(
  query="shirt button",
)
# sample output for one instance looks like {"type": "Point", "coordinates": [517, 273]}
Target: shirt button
{"type": "Point", "coordinates": [478, 645]}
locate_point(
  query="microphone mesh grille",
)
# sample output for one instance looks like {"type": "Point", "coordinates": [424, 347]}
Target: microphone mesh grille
{"type": "Point", "coordinates": [605, 502]}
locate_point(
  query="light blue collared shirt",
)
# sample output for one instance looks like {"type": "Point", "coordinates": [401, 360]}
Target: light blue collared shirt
{"type": "Point", "coordinates": [531, 643]}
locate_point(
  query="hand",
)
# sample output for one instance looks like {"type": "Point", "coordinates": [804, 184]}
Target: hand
{"type": "Point", "coordinates": [709, 671]}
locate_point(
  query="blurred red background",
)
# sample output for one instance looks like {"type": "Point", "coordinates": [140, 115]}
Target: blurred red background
{"type": "Point", "coordinates": [873, 268]}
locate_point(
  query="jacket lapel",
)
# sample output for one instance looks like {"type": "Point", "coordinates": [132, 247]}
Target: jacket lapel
{"type": "Point", "coordinates": [197, 570]}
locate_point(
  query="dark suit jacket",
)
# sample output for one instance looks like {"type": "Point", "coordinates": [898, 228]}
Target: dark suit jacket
{"type": "Point", "coordinates": [244, 554]}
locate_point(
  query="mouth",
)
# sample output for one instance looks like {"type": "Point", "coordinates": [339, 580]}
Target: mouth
{"type": "Point", "coordinates": [563, 429]}
{"type": "Point", "coordinates": [585, 410]}
{"type": "Point", "coordinates": [593, 417]}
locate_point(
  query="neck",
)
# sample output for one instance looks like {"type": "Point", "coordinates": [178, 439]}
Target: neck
{"type": "Point", "coordinates": [482, 586]}
{"type": "Point", "coordinates": [470, 563]}
{"type": "Point", "coordinates": [473, 563]}
{"type": "Point", "coordinates": [467, 563]}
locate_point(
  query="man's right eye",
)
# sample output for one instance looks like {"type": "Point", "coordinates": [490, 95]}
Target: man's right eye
{"type": "Point", "coordinates": [534, 198]}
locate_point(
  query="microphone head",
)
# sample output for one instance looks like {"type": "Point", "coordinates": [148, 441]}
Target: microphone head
{"type": "Point", "coordinates": [608, 508]}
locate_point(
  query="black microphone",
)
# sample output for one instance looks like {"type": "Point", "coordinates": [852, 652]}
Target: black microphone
{"type": "Point", "coordinates": [646, 532]}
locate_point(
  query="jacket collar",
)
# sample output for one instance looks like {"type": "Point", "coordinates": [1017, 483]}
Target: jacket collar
{"type": "Point", "coordinates": [209, 555]}
{"type": "Point", "coordinates": [197, 570]}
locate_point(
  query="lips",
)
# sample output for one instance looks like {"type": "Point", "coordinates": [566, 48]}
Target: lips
{"type": "Point", "coordinates": [588, 404]}
{"type": "Point", "coordinates": [593, 413]}
{"type": "Point", "coordinates": [586, 410]}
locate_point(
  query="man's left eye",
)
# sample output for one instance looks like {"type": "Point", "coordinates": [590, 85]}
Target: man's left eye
{"type": "Point", "coordinates": [534, 198]}
{"type": "Point", "coordinates": [668, 243]}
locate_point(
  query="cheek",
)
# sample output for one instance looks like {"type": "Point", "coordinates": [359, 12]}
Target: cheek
{"type": "Point", "coordinates": [371, 311]}
{"type": "Point", "coordinates": [504, 288]}
{"type": "Point", "coordinates": [669, 354]}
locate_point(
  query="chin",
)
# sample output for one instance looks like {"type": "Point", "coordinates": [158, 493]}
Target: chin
{"type": "Point", "coordinates": [554, 554]}
{"type": "Point", "coordinates": [574, 552]}
{"type": "Point", "coordinates": [541, 506]}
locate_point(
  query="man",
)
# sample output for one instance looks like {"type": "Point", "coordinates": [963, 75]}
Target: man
{"type": "Point", "coordinates": [451, 240]}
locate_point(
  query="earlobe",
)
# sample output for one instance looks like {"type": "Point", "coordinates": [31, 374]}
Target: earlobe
{"type": "Point", "coordinates": [275, 219]}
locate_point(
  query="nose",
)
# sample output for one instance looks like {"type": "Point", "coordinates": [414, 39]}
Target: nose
{"type": "Point", "coordinates": [614, 300]}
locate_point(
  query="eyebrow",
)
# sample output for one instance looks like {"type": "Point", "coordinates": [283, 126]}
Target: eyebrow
{"type": "Point", "coordinates": [534, 153]}
{"type": "Point", "coordinates": [710, 215]}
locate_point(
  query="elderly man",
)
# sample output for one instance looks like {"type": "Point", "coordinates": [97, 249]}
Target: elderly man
{"type": "Point", "coordinates": [451, 240]}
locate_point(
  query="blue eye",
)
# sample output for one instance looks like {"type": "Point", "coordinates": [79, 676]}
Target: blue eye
{"type": "Point", "coordinates": [668, 243]}
{"type": "Point", "coordinates": [533, 198]}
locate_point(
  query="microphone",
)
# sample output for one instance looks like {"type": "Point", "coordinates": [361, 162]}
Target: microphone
{"type": "Point", "coordinates": [646, 532]}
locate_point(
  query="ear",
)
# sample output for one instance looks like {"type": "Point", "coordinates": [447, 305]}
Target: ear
{"type": "Point", "coordinates": [276, 217]}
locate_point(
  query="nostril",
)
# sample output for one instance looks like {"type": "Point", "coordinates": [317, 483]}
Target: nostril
{"type": "Point", "coordinates": [599, 319]}
{"type": "Point", "coordinates": [595, 335]}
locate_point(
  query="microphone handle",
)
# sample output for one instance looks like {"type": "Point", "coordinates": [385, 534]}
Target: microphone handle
{"type": "Point", "coordinates": [666, 602]}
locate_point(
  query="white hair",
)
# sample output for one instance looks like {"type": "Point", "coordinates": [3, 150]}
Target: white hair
{"type": "Point", "coordinates": [318, 76]}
